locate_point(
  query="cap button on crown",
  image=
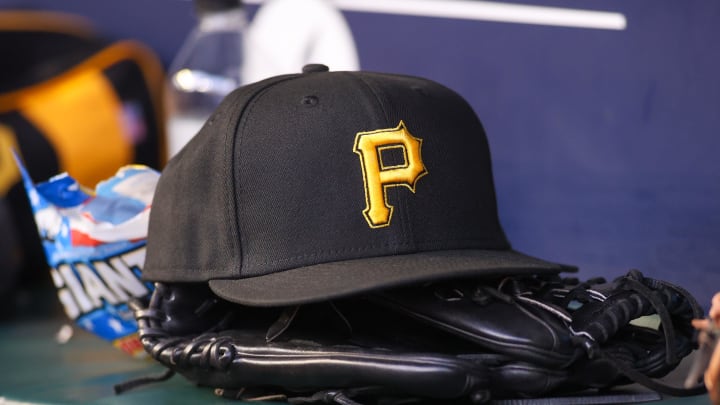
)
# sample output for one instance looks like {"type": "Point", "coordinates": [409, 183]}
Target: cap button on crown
{"type": "Point", "coordinates": [314, 68]}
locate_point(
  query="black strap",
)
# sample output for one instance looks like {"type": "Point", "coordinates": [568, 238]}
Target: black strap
{"type": "Point", "coordinates": [651, 383]}
{"type": "Point", "coordinates": [629, 398]}
{"type": "Point", "coordinates": [140, 381]}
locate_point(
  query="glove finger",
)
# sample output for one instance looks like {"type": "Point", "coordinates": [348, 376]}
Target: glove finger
{"type": "Point", "coordinates": [506, 326]}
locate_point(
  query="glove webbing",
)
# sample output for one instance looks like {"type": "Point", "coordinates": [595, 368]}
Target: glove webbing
{"type": "Point", "coordinates": [634, 282]}
{"type": "Point", "coordinates": [605, 321]}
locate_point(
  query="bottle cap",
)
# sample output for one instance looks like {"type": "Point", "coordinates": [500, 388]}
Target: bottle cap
{"type": "Point", "coordinates": [216, 5]}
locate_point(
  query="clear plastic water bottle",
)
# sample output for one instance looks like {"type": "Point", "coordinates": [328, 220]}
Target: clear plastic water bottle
{"type": "Point", "coordinates": [206, 68]}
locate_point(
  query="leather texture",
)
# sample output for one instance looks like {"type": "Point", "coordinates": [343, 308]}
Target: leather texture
{"type": "Point", "coordinates": [464, 340]}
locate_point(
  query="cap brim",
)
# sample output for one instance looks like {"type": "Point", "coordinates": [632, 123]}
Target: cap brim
{"type": "Point", "coordinates": [337, 279]}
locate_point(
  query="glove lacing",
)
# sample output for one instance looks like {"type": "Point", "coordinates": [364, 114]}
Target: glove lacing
{"type": "Point", "coordinates": [613, 316]}
{"type": "Point", "coordinates": [217, 352]}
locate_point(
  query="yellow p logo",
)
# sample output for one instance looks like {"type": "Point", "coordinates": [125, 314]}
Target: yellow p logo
{"type": "Point", "coordinates": [378, 177]}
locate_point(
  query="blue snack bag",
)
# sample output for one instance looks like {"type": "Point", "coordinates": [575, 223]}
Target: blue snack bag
{"type": "Point", "coordinates": [94, 242]}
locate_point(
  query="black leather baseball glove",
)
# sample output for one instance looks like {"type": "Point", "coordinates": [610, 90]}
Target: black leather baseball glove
{"type": "Point", "coordinates": [463, 340]}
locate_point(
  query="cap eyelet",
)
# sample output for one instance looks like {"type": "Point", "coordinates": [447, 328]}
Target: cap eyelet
{"type": "Point", "coordinates": [419, 90]}
{"type": "Point", "coordinates": [309, 101]}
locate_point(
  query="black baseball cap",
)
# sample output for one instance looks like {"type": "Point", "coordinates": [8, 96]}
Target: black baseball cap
{"type": "Point", "coordinates": [318, 185]}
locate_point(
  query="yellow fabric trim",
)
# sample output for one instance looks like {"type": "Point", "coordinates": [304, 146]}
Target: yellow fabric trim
{"type": "Point", "coordinates": [81, 117]}
{"type": "Point", "coordinates": [9, 173]}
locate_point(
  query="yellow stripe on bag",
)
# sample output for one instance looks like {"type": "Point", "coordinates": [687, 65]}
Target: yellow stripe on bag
{"type": "Point", "coordinates": [81, 116]}
{"type": "Point", "coordinates": [9, 173]}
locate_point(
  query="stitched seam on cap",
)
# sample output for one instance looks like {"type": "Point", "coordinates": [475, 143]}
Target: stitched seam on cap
{"type": "Point", "coordinates": [373, 92]}
{"type": "Point", "coordinates": [229, 136]}
{"type": "Point", "coordinates": [237, 144]}
{"type": "Point", "coordinates": [402, 206]}
{"type": "Point", "coordinates": [370, 247]}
